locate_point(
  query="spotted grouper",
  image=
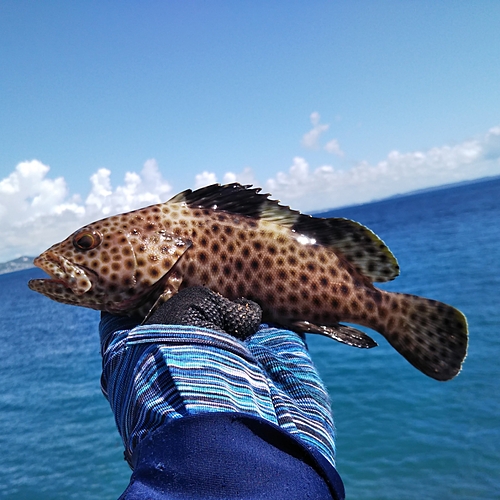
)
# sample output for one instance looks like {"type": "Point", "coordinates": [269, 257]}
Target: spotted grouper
{"type": "Point", "coordinates": [308, 274]}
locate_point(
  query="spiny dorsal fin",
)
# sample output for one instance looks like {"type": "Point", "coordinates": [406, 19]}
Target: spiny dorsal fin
{"type": "Point", "coordinates": [360, 246]}
{"type": "Point", "coordinates": [240, 200]}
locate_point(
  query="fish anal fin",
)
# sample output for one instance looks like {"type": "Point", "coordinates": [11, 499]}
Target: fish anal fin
{"type": "Point", "coordinates": [341, 333]}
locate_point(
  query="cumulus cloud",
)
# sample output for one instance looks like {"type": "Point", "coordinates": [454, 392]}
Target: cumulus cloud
{"type": "Point", "coordinates": [310, 139]}
{"type": "Point", "coordinates": [328, 187]}
{"type": "Point", "coordinates": [333, 147]}
{"type": "Point", "coordinates": [36, 211]}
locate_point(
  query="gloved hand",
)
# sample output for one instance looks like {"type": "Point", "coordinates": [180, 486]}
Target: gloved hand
{"type": "Point", "coordinates": [199, 306]}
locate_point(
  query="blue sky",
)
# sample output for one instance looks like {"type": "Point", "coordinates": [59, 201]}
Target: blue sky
{"type": "Point", "coordinates": [322, 103]}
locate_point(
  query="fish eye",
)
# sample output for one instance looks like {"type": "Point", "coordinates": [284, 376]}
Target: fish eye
{"type": "Point", "coordinates": [87, 240]}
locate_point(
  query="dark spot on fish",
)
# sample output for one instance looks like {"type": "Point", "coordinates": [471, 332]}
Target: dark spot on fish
{"type": "Point", "coordinates": [302, 254]}
{"type": "Point", "coordinates": [257, 245]}
{"type": "Point", "coordinates": [304, 278]}
{"type": "Point", "coordinates": [104, 270]}
{"type": "Point", "coordinates": [311, 267]}
{"type": "Point", "coordinates": [215, 247]}
{"type": "Point", "coordinates": [268, 278]}
{"type": "Point", "coordinates": [344, 290]}
{"type": "Point", "coordinates": [228, 230]}
{"type": "Point", "coordinates": [267, 262]}
{"type": "Point", "coordinates": [115, 266]}
{"type": "Point", "coordinates": [292, 260]}
{"type": "Point", "coordinates": [292, 298]}
{"type": "Point", "coordinates": [245, 252]}
{"type": "Point", "coordinates": [270, 299]}
{"type": "Point", "coordinates": [230, 248]}
{"type": "Point", "coordinates": [272, 250]}
{"type": "Point", "coordinates": [226, 270]}
{"type": "Point", "coordinates": [323, 282]}
{"type": "Point", "coordinates": [203, 257]}
{"type": "Point", "coordinates": [191, 269]}
{"type": "Point", "coordinates": [282, 274]}
{"type": "Point", "coordinates": [141, 262]}
{"type": "Point", "coordinates": [334, 303]}
{"type": "Point", "coordinates": [240, 289]}
{"type": "Point", "coordinates": [282, 311]}
{"type": "Point", "coordinates": [221, 217]}
{"type": "Point", "coordinates": [203, 241]}
{"type": "Point", "coordinates": [204, 277]}
{"type": "Point", "coordinates": [370, 306]}
{"type": "Point", "coordinates": [254, 264]}
{"type": "Point", "coordinates": [128, 282]}
{"type": "Point", "coordinates": [112, 288]}
{"type": "Point", "coordinates": [252, 223]}
{"type": "Point", "coordinates": [280, 288]}
{"type": "Point", "coordinates": [238, 265]}
{"type": "Point", "coordinates": [215, 228]}
{"type": "Point", "coordinates": [229, 290]}
{"type": "Point", "coordinates": [333, 272]}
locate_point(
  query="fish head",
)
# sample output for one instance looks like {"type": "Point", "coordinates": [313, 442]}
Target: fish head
{"type": "Point", "coordinates": [113, 265]}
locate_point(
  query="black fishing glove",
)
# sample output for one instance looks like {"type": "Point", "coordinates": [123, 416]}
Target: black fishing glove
{"type": "Point", "coordinates": [200, 306]}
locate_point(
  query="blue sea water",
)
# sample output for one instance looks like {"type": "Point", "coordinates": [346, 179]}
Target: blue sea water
{"type": "Point", "coordinates": [400, 435]}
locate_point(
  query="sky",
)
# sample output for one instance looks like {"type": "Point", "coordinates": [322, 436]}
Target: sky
{"type": "Point", "coordinates": [108, 106]}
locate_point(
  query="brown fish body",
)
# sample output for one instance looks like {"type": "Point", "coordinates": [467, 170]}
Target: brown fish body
{"type": "Point", "coordinates": [308, 274]}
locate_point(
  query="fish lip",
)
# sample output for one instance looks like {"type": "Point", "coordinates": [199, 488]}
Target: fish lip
{"type": "Point", "coordinates": [64, 272]}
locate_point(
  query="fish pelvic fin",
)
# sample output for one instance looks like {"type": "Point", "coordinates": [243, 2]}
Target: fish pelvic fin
{"type": "Point", "coordinates": [341, 333]}
{"type": "Point", "coordinates": [431, 335]}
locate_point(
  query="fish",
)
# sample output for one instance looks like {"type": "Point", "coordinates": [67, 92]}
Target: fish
{"type": "Point", "coordinates": [308, 274]}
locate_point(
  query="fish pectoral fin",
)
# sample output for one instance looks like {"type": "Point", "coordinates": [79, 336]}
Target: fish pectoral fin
{"type": "Point", "coordinates": [171, 287]}
{"type": "Point", "coordinates": [341, 333]}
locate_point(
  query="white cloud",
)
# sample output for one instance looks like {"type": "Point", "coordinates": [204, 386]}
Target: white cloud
{"type": "Point", "coordinates": [311, 138]}
{"type": "Point", "coordinates": [333, 147]}
{"type": "Point", "coordinates": [204, 179]}
{"type": "Point", "coordinates": [37, 211]}
{"type": "Point", "coordinates": [328, 186]}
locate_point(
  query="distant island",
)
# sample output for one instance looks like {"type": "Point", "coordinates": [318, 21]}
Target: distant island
{"type": "Point", "coordinates": [16, 265]}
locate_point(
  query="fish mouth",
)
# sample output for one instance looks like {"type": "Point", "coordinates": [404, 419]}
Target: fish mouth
{"type": "Point", "coordinates": [63, 274]}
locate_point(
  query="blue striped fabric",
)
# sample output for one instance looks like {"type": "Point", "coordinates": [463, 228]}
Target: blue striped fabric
{"type": "Point", "coordinates": [153, 373]}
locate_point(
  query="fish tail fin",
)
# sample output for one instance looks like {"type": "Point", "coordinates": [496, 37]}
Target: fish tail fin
{"type": "Point", "coordinates": [431, 335]}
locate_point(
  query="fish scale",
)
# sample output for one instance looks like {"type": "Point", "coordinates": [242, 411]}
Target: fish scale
{"type": "Point", "coordinates": [308, 274]}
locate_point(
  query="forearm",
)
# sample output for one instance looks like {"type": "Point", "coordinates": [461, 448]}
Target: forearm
{"type": "Point", "coordinates": [155, 373]}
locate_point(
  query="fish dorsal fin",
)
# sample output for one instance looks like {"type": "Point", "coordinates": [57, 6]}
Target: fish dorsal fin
{"type": "Point", "coordinates": [239, 200]}
{"type": "Point", "coordinates": [360, 246]}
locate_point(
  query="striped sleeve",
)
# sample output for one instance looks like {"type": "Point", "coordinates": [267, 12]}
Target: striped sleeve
{"type": "Point", "coordinates": [154, 373]}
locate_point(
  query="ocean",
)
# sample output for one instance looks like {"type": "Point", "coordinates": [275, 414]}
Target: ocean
{"type": "Point", "coordinates": [400, 434]}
